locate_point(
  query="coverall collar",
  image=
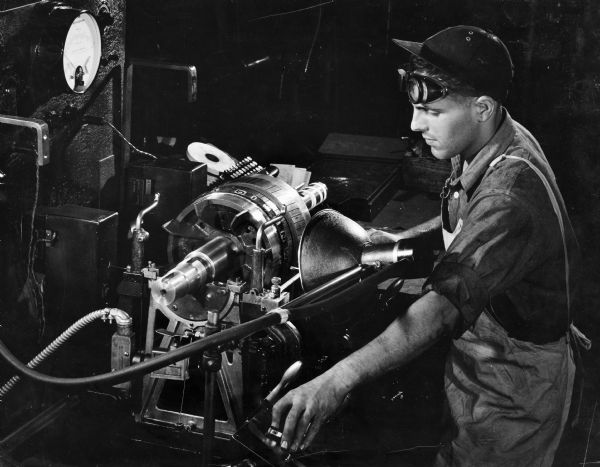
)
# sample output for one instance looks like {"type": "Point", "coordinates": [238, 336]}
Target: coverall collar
{"type": "Point", "coordinates": [468, 175]}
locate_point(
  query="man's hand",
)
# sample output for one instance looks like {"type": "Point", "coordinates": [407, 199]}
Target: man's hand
{"type": "Point", "coordinates": [303, 410]}
{"type": "Point", "coordinates": [431, 228]}
{"type": "Point", "coordinates": [377, 236]}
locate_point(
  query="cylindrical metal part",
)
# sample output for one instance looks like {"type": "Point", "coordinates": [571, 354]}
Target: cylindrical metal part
{"type": "Point", "coordinates": [276, 287]}
{"type": "Point", "coordinates": [313, 194]}
{"type": "Point", "coordinates": [242, 206]}
{"type": "Point", "coordinates": [208, 430]}
{"type": "Point", "coordinates": [336, 284]}
{"type": "Point", "coordinates": [211, 363]}
{"type": "Point", "coordinates": [264, 214]}
{"type": "Point", "coordinates": [137, 253]}
{"type": "Point", "coordinates": [258, 270]}
{"type": "Point", "coordinates": [202, 265]}
{"type": "Point", "coordinates": [384, 253]}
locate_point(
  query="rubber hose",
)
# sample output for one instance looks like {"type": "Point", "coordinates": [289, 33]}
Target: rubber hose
{"type": "Point", "coordinates": [312, 309]}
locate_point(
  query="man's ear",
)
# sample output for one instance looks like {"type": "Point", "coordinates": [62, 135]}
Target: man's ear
{"type": "Point", "coordinates": [485, 107]}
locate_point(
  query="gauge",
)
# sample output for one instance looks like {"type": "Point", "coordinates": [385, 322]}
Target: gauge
{"type": "Point", "coordinates": [81, 52]}
{"type": "Point", "coordinates": [66, 48]}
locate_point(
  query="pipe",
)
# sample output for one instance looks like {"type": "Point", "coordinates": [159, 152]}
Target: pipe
{"type": "Point", "coordinates": [199, 267]}
{"type": "Point", "coordinates": [269, 223]}
{"type": "Point", "coordinates": [140, 217]}
{"type": "Point", "coordinates": [289, 282]}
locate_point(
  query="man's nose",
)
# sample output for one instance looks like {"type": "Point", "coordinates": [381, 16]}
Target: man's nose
{"type": "Point", "coordinates": [417, 123]}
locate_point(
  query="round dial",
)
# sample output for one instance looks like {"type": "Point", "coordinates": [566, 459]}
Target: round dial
{"type": "Point", "coordinates": [81, 52]}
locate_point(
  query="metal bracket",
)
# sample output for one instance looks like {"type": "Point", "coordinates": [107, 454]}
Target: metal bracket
{"type": "Point", "coordinates": [192, 88]}
{"type": "Point", "coordinates": [40, 127]}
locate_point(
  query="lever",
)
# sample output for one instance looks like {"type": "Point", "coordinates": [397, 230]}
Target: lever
{"type": "Point", "coordinates": [259, 425]}
{"type": "Point", "coordinates": [288, 377]}
{"type": "Point", "coordinates": [140, 217]}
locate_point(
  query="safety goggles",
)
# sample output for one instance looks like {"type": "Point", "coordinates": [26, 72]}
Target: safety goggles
{"type": "Point", "coordinates": [421, 89]}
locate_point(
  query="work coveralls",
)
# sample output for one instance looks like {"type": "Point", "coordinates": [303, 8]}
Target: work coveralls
{"type": "Point", "coordinates": [509, 374]}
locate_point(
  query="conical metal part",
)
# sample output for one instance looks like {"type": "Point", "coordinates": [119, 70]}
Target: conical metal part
{"type": "Point", "coordinates": [330, 245]}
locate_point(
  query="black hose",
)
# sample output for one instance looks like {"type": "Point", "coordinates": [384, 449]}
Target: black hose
{"type": "Point", "coordinates": [232, 334]}
{"type": "Point", "coordinates": [354, 291]}
{"type": "Point", "coordinates": [126, 374]}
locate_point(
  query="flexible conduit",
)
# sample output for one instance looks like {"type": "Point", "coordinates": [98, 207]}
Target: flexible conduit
{"type": "Point", "coordinates": [56, 344]}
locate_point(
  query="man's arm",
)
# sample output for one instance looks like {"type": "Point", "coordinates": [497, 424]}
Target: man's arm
{"type": "Point", "coordinates": [429, 227]}
{"type": "Point", "coordinates": [307, 407]}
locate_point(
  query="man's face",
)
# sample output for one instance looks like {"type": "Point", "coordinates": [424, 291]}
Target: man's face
{"type": "Point", "coordinates": [448, 126]}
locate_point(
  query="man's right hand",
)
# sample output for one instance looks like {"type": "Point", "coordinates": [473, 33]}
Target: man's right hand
{"type": "Point", "coordinates": [303, 410]}
{"type": "Point", "coordinates": [377, 236]}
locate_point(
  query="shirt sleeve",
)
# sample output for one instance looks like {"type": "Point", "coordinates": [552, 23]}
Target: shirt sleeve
{"type": "Point", "coordinates": [498, 245]}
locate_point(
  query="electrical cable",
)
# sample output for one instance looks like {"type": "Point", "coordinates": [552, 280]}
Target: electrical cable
{"type": "Point", "coordinates": [31, 281]}
{"type": "Point", "coordinates": [32, 250]}
{"type": "Point", "coordinates": [314, 40]}
{"type": "Point", "coordinates": [95, 120]}
{"type": "Point", "coordinates": [366, 452]}
{"type": "Point", "coordinates": [139, 151]}
{"type": "Point", "coordinates": [9, 10]}
{"type": "Point", "coordinates": [284, 13]}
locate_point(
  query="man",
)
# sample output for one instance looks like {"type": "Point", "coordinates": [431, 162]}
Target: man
{"type": "Point", "coordinates": [502, 288]}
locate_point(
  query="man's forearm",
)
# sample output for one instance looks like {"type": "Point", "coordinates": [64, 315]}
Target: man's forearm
{"type": "Point", "coordinates": [404, 339]}
{"type": "Point", "coordinates": [428, 227]}
{"type": "Point", "coordinates": [423, 231]}
{"type": "Point", "coordinates": [303, 410]}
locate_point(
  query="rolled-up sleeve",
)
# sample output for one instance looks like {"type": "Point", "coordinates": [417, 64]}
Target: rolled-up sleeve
{"type": "Point", "coordinates": [498, 245]}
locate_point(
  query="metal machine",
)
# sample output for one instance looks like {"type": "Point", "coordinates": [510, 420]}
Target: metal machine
{"type": "Point", "coordinates": [236, 253]}
{"type": "Point", "coordinates": [248, 263]}
{"type": "Point", "coordinates": [205, 297]}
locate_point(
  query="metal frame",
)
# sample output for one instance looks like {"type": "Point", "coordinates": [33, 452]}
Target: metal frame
{"type": "Point", "coordinates": [41, 129]}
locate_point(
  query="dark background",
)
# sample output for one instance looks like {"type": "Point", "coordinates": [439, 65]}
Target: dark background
{"type": "Point", "coordinates": [275, 77]}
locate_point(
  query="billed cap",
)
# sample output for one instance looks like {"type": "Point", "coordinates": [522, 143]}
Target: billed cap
{"type": "Point", "coordinates": [470, 54]}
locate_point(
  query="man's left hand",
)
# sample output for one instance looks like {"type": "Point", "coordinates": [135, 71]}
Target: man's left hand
{"type": "Point", "coordinates": [306, 408]}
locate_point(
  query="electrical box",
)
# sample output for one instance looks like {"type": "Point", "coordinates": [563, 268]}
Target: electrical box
{"type": "Point", "coordinates": [76, 246]}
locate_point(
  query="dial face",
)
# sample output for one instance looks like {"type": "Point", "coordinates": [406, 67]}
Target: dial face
{"type": "Point", "coordinates": [81, 52]}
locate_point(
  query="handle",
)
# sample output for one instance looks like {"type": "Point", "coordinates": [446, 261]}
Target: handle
{"type": "Point", "coordinates": [288, 377]}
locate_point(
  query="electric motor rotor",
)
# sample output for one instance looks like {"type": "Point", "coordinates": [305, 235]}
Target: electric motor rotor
{"type": "Point", "coordinates": [239, 208]}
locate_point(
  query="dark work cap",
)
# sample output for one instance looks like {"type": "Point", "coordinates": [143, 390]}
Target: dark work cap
{"type": "Point", "coordinates": [469, 54]}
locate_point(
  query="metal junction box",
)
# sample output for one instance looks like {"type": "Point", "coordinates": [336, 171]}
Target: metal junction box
{"type": "Point", "coordinates": [76, 246]}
